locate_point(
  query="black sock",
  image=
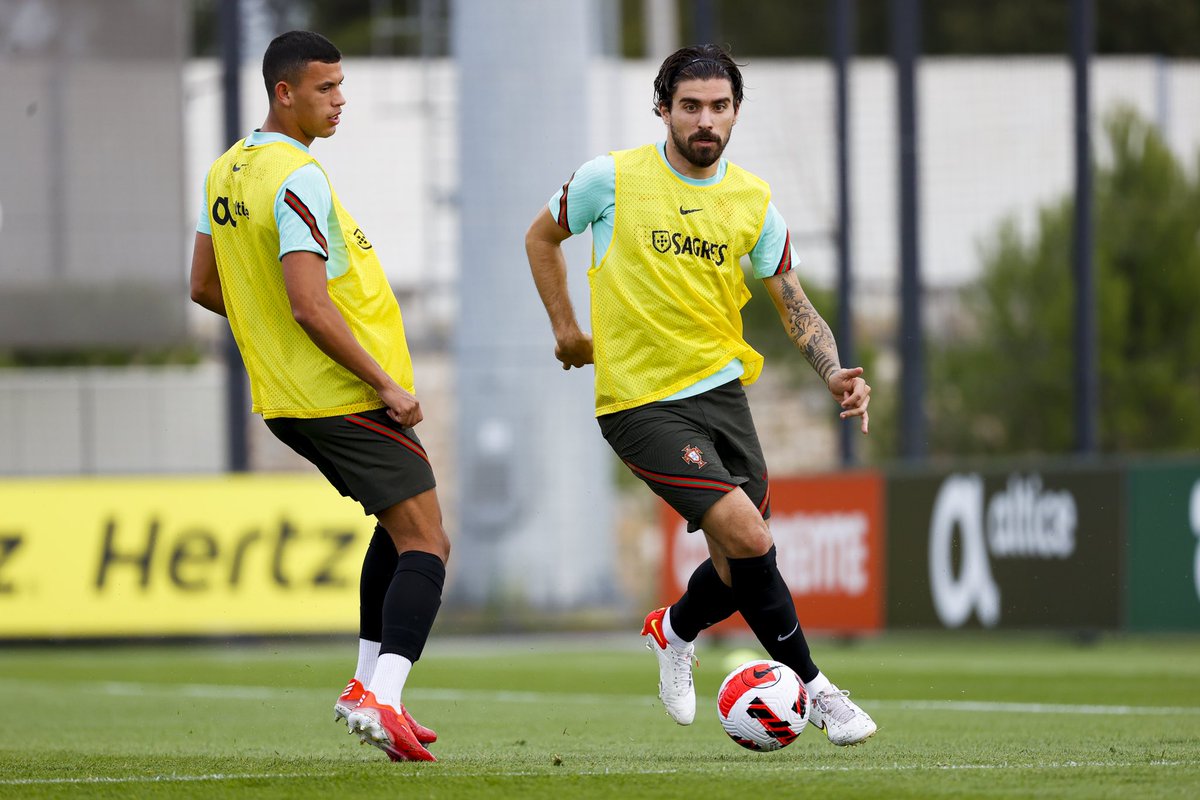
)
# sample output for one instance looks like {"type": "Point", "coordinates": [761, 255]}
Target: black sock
{"type": "Point", "coordinates": [379, 565]}
{"type": "Point", "coordinates": [767, 606]}
{"type": "Point", "coordinates": [412, 603]}
{"type": "Point", "coordinates": [706, 602]}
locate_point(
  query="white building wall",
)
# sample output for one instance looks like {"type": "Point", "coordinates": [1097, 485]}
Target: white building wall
{"type": "Point", "coordinates": [995, 139]}
{"type": "Point", "coordinates": [111, 420]}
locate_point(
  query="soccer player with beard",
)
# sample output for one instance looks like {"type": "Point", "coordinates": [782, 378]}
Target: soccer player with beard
{"type": "Point", "coordinates": [670, 224]}
{"type": "Point", "coordinates": [323, 341]}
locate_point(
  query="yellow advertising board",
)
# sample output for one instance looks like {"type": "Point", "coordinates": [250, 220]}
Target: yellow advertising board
{"type": "Point", "coordinates": [178, 556]}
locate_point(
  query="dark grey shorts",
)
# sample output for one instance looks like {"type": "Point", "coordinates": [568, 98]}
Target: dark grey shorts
{"type": "Point", "coordinates": [366, 456]}
{"type": "Point", "coordinates": [692, 452]}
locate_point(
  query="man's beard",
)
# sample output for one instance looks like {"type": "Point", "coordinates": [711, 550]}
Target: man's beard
{"type": "Point", "coordinates": [700, 156]}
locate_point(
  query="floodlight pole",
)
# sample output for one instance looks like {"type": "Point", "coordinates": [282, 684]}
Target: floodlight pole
{"type": "Point", "coordinates": [704, 22]}
{"type": "Point", "coordinates": [1087, 381]}
{"type": "Point", "coordinates": [235, 380]}
{"type": "Point", "coordinates": [842, 14]}
{"type": "Point", "coordinates": [906, 28]}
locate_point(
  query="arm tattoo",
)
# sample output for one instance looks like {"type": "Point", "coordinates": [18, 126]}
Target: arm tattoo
{"type": "Point", "coordinates": [809, 331]}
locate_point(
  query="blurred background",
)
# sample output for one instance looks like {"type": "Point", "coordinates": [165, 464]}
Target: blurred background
{"type": "Point", "coordinates": [995, 205]}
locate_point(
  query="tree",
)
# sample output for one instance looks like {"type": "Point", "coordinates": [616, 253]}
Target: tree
{"type": "Point", "coordinates": [792, 28]}
{"type": "Point", "coordinates": [781, 28]}
{"type": "Point", "coordinates": [1006, 386]}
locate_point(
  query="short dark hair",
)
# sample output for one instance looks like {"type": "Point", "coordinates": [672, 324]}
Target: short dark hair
{"type": "Point", "coordinates": [698, 62]}
{"type": "Point", "coordinates": [289, 53]}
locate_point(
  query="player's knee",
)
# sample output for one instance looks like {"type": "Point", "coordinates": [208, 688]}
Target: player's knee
{"type": "Point", "coordinates": [437, 542]}
{"type": "Point", "coordinates": [750, 542]}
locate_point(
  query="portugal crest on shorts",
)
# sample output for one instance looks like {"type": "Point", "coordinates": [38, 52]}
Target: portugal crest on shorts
{"type": "Point", "coordinates": [692, 455]}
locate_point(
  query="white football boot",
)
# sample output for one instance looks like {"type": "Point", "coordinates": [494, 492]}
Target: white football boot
{"type": "Point", "coordinates": [675, 687]}
{"type": "Point", "coordinates": [842, 720]}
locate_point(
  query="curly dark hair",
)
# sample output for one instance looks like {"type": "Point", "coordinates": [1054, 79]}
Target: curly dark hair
{"type": "Point", "coordinates": [698, 62]}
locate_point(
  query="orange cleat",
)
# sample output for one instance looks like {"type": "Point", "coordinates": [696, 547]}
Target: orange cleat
{"type": "Point", "coordinates": [424, 735]}
{"type": "Point", "coordinates": [381, 725]}
{"type": "Point", "coordinates": [353, 695]}
{"type": "Point", "coordinates": [348, 700]}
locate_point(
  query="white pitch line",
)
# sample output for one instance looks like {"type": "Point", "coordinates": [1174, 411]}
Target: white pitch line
{"type": "Point", "coordinates": [153, 779]}
{"type": "Point", "coordinates": [241, 693]}
{"type": "Point", "coordinates": [984, 707]}
{"type": "Point", "coordinates": [121, 779]}
{"type": "Point", "coordinates": [220, 692]}
{"type": "Point", "coordinates": [1005, 765]}
{"type": "Point", "coordinates": [759, 768]}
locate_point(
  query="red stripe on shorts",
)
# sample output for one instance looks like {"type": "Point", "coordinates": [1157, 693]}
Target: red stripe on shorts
{"type": "Point", "coordinates": [681, 481]}
{"type": "Point", "coordinates": [375, 427]}
{"type": "Point", "coordinates": [762, 507]}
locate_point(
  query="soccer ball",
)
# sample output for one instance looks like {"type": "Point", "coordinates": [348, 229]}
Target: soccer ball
{"type": "Point", "coordinates": [763, 705]}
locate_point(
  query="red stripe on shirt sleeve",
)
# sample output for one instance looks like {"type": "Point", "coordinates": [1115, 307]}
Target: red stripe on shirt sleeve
{"type": "Point", "coordinates": [785, 259]}
{"type": "Point", "coordinates": [297, 205]}
{"type": "Point", "coordinates": [562, 206]}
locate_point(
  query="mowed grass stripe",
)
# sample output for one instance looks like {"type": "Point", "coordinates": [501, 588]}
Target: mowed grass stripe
{"type": "Point", "coordinates": [99, 779]}
{"type": "Point", "coordinates": [543, 723]}
{"type": "Point", "coordinates": [763, 768]}
{"type": "Point", "coordinates": [242, 693]}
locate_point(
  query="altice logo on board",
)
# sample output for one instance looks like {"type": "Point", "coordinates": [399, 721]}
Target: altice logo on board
{"type": "Point", "coordinates": [1021, 521]}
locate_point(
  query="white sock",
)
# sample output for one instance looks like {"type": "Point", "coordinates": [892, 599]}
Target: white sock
{"type": "Point", "coordinates": [391, 671]}
{"type": "Point", "coordinates": [819, 684]}
{"type": "Point", "coordinates": [669, 633]}
{"type": "Point", "coordinates": [368, 653]}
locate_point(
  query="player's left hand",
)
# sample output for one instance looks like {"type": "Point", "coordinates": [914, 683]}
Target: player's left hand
{"type": "Point", "coordinates": [852, 393]}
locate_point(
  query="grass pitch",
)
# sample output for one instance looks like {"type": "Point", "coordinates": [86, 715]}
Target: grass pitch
{"type": "Point", "coordinates": [960, 715]}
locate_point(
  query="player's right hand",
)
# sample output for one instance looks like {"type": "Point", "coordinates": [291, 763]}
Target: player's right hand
{"type": "Point", "coordinates": [575, 351]}
{"type": "Point", "coordinates": [402, 407]}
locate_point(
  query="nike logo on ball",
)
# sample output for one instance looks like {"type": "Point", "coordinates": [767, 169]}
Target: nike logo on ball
{"type": "Point", "coordinates": [788, 636]}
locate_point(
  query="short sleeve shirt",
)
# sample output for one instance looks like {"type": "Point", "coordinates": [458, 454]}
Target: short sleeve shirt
{"type": "Point", "coordinates": [589, 198]}
{"type": "Point", "coordinates": [304, 214]}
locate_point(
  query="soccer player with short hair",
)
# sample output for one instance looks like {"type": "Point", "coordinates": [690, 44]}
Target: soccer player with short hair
{"type": "Point", "coordinates": [321, 335]}
{"type": "Point", "coordinates": [670, 224]}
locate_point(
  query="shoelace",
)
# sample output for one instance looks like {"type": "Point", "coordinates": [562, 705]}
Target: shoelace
{"type": "Point", "coordinates": [681, 664]}
{"type": "Point", "coordinates": [835, 705]}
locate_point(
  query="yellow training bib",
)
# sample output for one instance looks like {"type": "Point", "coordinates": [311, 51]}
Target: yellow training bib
{"type": "Point", "coordinates": [667, 296]}
{"type": "Point", "coordinates": [289, 375]}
